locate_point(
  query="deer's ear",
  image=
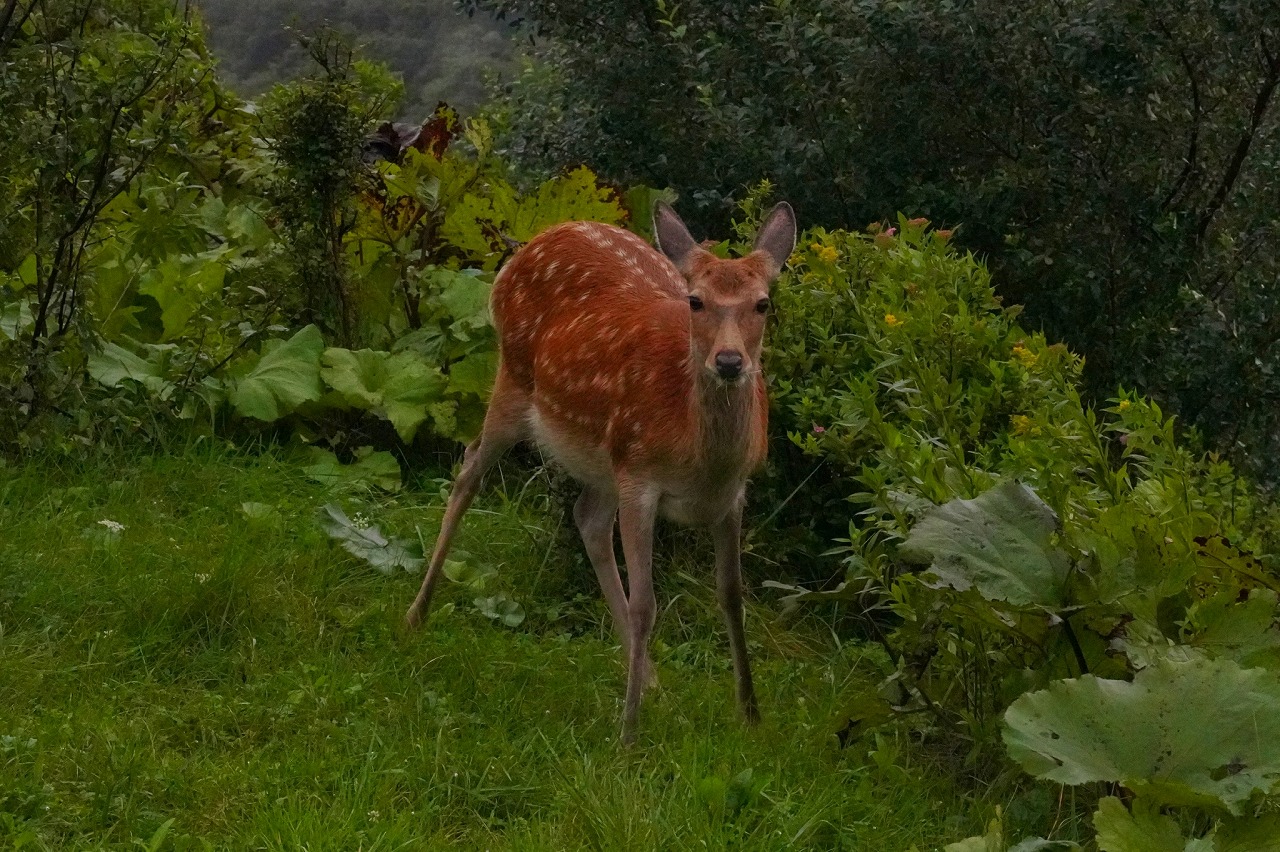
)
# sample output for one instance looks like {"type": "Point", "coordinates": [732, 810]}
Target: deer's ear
{"type": "Point", "coordinates": [777, 237]}
{"type": "Point", "coordinates": [672, 237]}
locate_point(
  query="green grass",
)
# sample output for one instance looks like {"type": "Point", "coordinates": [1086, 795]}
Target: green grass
{"type": "Point", "coordinates": [249, 681]}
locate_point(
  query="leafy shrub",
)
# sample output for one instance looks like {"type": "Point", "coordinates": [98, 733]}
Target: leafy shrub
{"type": "Point", "coordinates": [317, 127]}
{"type": "Point", "coordinates": [413, 266]}
{"type": "Point", "coordinates": [1005, 536]}
{"type": "Point", "coordinates": [895, 364]}
{"type": "Point", "coordinates": [92, 95]}
{"type": "Point", "coordinates": [200, 258]}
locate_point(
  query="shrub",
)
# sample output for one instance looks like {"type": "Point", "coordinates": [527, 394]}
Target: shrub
{"type": "Point", "coordinates": [895, 365]}
{"type": "Point", "coordinates": [92, 95]}
{"type": "Point", "coordinates": [317, 128]}
{"type": "Point", "coordinates": [410, 268]}
{"type": "Point", "coordinates": [1004, 536]}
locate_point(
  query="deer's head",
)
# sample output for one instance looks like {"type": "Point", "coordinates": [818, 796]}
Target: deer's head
{"type": "Point", "coordinates": [728, 299]}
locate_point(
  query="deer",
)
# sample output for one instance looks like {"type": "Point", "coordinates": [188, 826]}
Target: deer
{"type": "Point", "coordinates": [639, 371]}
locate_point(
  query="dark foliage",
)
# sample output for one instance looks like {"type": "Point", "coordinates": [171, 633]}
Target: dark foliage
{"type": "Point", "coordinates": [318, 129]}
{"type": "Point", "coordinates": [91, 93]}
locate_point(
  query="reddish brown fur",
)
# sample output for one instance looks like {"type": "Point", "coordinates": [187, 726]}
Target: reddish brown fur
{"type": "Point", "coordinates": [602, 346]}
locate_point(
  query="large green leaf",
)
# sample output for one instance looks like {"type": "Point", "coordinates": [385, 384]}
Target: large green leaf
{"type": "Point", "coordinates": [181, 285]}
{"type": "Point", "coordinates": [367, 542]}
{"type": "Point", "coordinates": [478, 223]}
{"type": "Point", "coordinates": [1196, 732]}
{"type": "Point", "coordinates": [399, 387]}
{"type": "Point", "coordinates": [1144, 830]}
{"type": "Point", "coordinates": [113, 365]}
{"type": "Point", "coordinates": [1243, 630]}
{"type": "Point", "coordinates": [15, 319]}
{"type": "Point", "coordinates": [465, 294]}
{"type": "Point", "coordinates": [998, 543]}
{"type": "Point", "coordinates": [287, 375]}
{"type": "Point", "coordinates": [369, 470]}
{"type": "Point", "coordinates": [474, 374]}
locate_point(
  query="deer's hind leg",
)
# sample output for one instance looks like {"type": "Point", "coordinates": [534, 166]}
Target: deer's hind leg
{"type": "Point", "coordinates": [505, 424]}
{"type": "Point", "coordinates": [595, 513]}
{"type": "Point", "coordinates": [637, 511]}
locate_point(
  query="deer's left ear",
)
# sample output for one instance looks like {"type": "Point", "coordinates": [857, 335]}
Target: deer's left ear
{"type": "Point", "coordinates": [777, 237]}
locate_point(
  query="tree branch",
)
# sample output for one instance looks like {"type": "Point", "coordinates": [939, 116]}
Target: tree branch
{"type": "Point", "coordinates": [1261, 104]}
{"type": "Point", "coordinates": [1193, 137]}
{"type": "Point", "coordinates": [7, 32]}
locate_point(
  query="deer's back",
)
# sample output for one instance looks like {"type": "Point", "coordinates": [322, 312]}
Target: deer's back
{"type": "Point", "coordinates": [593, 326]}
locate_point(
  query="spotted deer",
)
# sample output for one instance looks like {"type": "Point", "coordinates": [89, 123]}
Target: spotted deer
{"type": "Point", "coordinates": [638, 371]}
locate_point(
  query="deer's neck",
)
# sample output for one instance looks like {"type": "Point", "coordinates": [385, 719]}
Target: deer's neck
{"type": "Point", "coordinates": [728, 418]}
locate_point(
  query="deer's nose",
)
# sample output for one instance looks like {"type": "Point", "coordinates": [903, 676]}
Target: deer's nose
{"type": "Point", "coordinates": [729, 364]}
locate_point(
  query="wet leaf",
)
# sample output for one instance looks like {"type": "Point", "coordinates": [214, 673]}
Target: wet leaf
{"type": "Point", "coordinates": [1202, 732]}
{"type": "Point", "coordinates": [369, 544]}
{"type": "Point", "coordinates": [287, 375]}
{"type": "Point", "coordinates": [997, 543]}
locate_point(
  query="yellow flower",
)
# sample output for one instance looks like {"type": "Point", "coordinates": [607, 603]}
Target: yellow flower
{"type": "Point", "coordinates": [1022, 425]}
{"type": "Point", "coordinates": [890, 319]}
{"type": "Point", "coordinates": [1124, 403]}
{"type": "Point", "coordinates": [826, 254]}
{"type": "Point", "coordinates": [1024, 355]}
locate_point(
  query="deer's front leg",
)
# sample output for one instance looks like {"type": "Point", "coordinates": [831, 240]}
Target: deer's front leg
{"type": "Point", "coordinates": [637, 510]}
{"type": "Point", "coordinates": [727, 534]}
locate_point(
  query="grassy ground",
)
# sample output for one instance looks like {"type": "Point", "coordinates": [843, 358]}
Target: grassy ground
{"type": "Point", "coordinates": [211, 677]}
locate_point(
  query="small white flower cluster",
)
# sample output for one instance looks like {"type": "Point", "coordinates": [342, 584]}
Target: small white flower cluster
{"type": "Point", "coordinates": [113, 526]}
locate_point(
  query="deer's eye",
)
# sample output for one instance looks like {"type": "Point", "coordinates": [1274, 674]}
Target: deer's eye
{"type": "Point", "coordinates": [695, 304]}
{"type": "Point", "coordinates": [762, 306]}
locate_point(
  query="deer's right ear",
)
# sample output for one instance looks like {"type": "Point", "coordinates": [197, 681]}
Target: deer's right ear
{"type": "Point", "coordinates": [672, 237]}
{"type": "Point", "coordinates": [777, 237]}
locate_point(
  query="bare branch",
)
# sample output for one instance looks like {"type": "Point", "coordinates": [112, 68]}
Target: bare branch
{"type": "Point", "coordinates": [9, 26]}
{"type": "Point", "coordinates": [1189, 165]}
{"type": "Point", "coordinates": [1261, 103]}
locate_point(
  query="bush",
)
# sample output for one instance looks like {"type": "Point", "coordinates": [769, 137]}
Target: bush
{"type": "Point", "coordinates": [405, 269]}
{"type": "Point", "coordinates": [1003, 536]}
{"type": "Point", "coordinates": [92, 95]}
{"type": "Point", "coordinates": [895, 365]}
{"type": "Point", "coordinates": [317, 129]}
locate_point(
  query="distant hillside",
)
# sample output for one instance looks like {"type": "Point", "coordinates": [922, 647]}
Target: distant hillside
{"type": "Point", "coordinates": [441, 53]}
